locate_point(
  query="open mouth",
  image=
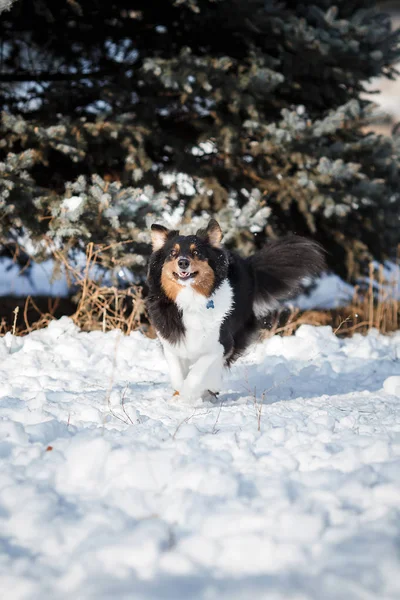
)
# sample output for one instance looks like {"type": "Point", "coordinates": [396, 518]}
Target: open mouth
{"type": "Point", "coordinates": [184, 275]}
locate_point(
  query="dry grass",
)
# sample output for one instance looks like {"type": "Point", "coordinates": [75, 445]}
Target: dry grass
{"type": "Point", "coordinates": [369, 309]}
{"type": "Point", "coordinates": [103, 307]}
{"type": "Point", "coordinates": [99, 307]}
{"type": "Point", "coordinates": [33, 313]}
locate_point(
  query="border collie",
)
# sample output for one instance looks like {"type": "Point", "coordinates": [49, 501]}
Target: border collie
{"type": "Point", "coordinates": [208, 304]}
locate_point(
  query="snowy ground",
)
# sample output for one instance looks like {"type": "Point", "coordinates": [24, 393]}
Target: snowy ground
{"type": "Point", "coordinates": [111, 490]}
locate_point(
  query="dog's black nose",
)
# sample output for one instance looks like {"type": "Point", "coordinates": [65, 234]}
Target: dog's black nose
{"type": "Point", "coordinates": [183, 264]}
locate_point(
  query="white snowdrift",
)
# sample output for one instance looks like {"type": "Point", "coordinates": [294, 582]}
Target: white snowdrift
{"type": "Point", "coordinates": [111, 490]}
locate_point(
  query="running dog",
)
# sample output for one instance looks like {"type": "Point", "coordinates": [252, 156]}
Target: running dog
{"type": "Point", "coordinates": [208, 304]}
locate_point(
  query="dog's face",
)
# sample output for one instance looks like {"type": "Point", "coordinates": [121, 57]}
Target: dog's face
{"type": "Point", "coordinates": [193, 260]}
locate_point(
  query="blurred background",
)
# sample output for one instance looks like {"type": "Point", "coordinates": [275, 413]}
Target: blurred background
{"type": "Point", "coordinates": [387, 100]}
{"type": "Point", "coordinates": [274, 117]}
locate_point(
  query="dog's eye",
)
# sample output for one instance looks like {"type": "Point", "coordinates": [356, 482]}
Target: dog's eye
{"type": "Point", "coordinates": [195, 253]}
{"type": "Point", "coordinates": [173, 253]}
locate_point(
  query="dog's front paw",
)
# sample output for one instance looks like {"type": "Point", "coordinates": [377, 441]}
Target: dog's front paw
{"type": "Point", "coordinates": [176, 396]}
{"type": "Point", "coordinates": [184, 398]}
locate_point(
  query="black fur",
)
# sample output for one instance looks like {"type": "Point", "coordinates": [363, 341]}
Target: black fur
{"type": "Point", "coordinates": [282, 264]}
{"type": "Point", "coordinates": [273, 274]}
{"type": "Point", "coordinates": [163, 313]}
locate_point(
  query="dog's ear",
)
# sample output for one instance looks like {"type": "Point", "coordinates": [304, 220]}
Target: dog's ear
{"type": "Point", "coordinates": [213, 233]}
{"type": "Point", "coordinates": [159, 236]}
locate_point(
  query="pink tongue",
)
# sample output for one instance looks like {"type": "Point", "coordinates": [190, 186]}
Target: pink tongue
{"type": "Point", "coordinates": [184, 275]}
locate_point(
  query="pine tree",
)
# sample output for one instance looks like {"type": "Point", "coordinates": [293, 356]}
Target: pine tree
{"type": "Point", "coordinates": [118, 114]}
{"type": "Point", "coordinates": [5, 5]}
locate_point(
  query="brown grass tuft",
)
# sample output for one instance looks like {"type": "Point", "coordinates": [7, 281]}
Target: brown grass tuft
{"type": "Point", "coordinates": [366, 311]}
{"type": "Point", "coordinates": [97, 307]}
{"type": "Point", "coordinates": [104, 307]}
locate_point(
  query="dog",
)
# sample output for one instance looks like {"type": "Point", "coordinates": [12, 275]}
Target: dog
{"type": "Point", "coordinates": [208, 304]}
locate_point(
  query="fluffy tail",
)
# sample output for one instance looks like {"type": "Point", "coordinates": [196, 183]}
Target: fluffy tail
{"type": "Point", "coordinates": [279, 269]}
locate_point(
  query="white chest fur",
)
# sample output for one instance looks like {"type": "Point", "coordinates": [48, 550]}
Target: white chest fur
{"type": "Point", "coordinates": [202, 318]}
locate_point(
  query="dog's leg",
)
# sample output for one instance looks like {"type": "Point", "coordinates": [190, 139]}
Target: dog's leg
{"type": "Point", "coordinates": [177, 369]}
{"type": "Point", "coordinates": [205, 374]}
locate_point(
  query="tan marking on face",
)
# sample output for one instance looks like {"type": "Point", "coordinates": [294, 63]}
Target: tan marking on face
{"type": "Point", "coordinates": [192, 247]}
{"type": "Point", "coordinates": [177, 248]}
{"type": "Point", "coordinates": [202, 283]}
{"type": "Point", "coordinates": [169, 283]}
{"type": "Point", "coordinates": [204, 280]}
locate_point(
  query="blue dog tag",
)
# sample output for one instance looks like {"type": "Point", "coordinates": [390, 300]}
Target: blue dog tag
{"type": "Point", "coordinates": [210, 304]}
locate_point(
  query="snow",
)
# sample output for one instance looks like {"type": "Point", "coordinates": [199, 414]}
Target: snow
{"type": "Point", "coordinates": [71, 204]}
{"type": "Point", "coordinates": [208, 147]}
{"type": "Point", "coordinates": [110, 488]}
{"type": "Point", "coordinates": [36, 281]}
{"type": "Point", "coordinates": [184, 183]}
{"type": "Point", "coordinates": [392, 385]}
{"type": "Point", "coordinates": [330, 291]}
{"type": "Point", "coordinates": [41, 279]}
{"type": "Point", "coordinates": [72, 207]}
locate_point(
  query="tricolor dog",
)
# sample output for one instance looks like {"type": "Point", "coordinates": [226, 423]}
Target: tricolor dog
{"type": "Point", "coordinates": [207, 303]}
